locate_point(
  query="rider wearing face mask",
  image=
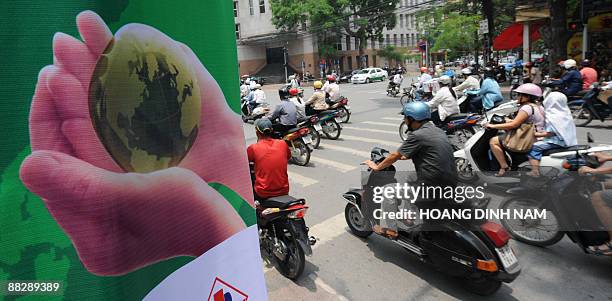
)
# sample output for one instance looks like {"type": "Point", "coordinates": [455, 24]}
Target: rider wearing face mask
{"type": "Point", "coordinates": [429, 149]}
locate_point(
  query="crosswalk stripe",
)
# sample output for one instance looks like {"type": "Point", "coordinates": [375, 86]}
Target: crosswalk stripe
{"type": "Point", "coordinates": [371, 130]}
{"type": "Point", "coordinates": [381, 123]}
{"type": "Point", "coordinates": [346, 150]}
{"type": "Point", "coordinates": [300, 179]}
{"type": "Point", "coordinates": [393, 118]}
{"type": "Point", "coordinates": [370, 140]}
{"type": "Point", "coordinates": [336, 165]}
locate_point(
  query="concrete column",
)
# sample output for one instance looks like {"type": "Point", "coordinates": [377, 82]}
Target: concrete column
{"type": "Point", "coordinates": [526, 46]}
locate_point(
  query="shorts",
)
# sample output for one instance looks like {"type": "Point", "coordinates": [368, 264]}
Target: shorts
{"type": "Point", "coordinates": [606, 195]}
{"type": "Point", "coordinates": [540, 147]}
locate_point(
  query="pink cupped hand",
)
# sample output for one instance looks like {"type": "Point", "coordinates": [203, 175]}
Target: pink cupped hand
{"type": "Point", "coordinates": [121, 221]}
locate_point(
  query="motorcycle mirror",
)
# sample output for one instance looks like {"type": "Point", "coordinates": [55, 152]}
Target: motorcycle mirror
{"type": "Point", "coordinates": [590, 138]}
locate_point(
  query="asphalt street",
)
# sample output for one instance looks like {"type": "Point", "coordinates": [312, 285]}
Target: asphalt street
{"type": "Point", "coordinates": [345, 267]}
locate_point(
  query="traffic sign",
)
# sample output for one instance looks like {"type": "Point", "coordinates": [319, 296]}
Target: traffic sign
{"type": "Point", "coordinates": [483, 27]}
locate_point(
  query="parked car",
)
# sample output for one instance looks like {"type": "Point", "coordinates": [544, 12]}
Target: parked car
{"type": "Point", "coordinates": [346, 76]}
{"type": "Point", "coordinates": [369, 75]}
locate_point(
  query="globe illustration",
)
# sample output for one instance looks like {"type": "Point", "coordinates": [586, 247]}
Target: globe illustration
{"type": "Point", "coordinates": [144, 100]}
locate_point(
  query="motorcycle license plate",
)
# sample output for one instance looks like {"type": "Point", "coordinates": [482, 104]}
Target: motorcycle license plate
{"type": "Point", "coordinates": [507, 256]}
{"type": "Point", "coordinates": [307, 139]}
{"type": "Point", "coordinates": [318, 127]}
{"type": "Point", "coordinates": [338, 119]}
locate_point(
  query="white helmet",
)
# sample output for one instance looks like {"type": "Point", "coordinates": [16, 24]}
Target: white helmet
{"type": "Point", "coordinates": [445, 80]}
{"type": "Point", "coordinates": [569, 64]}
{"type": "Point", "coordinates": [257, 86]}
{"type": "Point", "coordinates": [466, 71]}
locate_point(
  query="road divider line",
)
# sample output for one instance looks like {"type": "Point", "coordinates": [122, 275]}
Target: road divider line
{"type": "Point", "coordinates": [370, 140]}
{"type": "Point", "coordinates": [393, 118]}
{"type": "Point", "coordinates": [371, 130]}
{"type": "Point", "coordinates": [336, 165]}
{"type": "Point", "coordinates": [300, 179]}
{"type": "Point", "coordinates": [346, 150]}
{"type": "Point", "coordinates": [381, 123]}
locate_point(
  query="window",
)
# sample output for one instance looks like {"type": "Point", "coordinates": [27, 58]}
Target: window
{"type": "Point", "coordinates": [262, 6]}
{"type": "Point", "coordinates": [251, 7]}
{"type": "Point", "coordinates": [356, 43]}
{"type": "Point", "coordinates": [235, 8]}
{"type": "Point", "coordinates": [348, 43]}
{"type": "Point", "coordinates": [237, 31]}
{"type": "Point", "coordinates": [401, 20]}
{"type": "Point", "coordinates": [402, 42]}
{"type": "Point", "coordinates": [395, 40]}
{"type": "Point", "coordinates": [388, 39]}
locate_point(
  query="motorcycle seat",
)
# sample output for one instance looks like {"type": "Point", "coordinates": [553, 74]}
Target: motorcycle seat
{"type": "Point", "coordinates": [565, 149]}
{"type": "Point", "coordinates": [458, 116]}
{"type": "Point", "coordinates": [281, 202]}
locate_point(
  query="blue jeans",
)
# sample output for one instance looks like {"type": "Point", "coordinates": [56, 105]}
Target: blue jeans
{"type": "Point", "coordinates": [539, 147]}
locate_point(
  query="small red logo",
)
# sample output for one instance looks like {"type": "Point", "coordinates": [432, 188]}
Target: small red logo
{"type": "Point", "coordinates": [223, 291]}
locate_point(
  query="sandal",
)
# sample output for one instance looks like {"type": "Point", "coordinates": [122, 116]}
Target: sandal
{"type": "Point", "coordinates": [599, 251]}
{"type": "Point", "coordinates": [502, 171]}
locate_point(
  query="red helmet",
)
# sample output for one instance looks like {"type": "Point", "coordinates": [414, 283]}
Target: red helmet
{"type": "Point", "coordinates": [293, 91]}
{"type": "Point", "coordinates": [423, 69]}
{"type": "Point", "coordinates": [331, 78]}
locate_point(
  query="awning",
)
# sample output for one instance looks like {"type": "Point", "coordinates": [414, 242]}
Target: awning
{"type": "Point", "coordinates": [512, 36]}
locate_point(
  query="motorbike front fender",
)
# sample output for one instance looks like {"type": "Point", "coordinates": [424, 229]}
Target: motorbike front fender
{"type": "Point", "coordinates": [299, 231]}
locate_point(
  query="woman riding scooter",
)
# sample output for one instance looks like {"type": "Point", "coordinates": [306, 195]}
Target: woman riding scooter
{"type": "Point", "coordinates": [444, 103]}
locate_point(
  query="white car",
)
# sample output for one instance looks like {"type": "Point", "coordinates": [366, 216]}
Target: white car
{"type": "Point", "coordinates": [369, 75]}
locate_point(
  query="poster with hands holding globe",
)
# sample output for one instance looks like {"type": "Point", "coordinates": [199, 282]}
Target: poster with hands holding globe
{"type": "Point", "coordinates": [140, 160]}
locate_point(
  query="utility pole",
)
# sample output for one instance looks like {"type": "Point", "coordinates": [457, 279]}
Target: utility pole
{"type": "Point", "coordinates": [585, 31]}
{"type": "Point", "coordinates": [285, 60]}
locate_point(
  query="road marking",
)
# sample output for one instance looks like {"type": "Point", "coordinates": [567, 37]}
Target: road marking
{"type": "Point", "coordinates": [336, 165]}
{"type": "Point", "coordinates": [381, 123]}
{"type": "Point", "coordinates": [393, 118]}
{"type": "Point", "coordinates": [370, 140]}
{"type": "Point", "coordinates": [327, 288]}
{"type": "Point", "coordinates": [301, 180]}
{"type": "Point", "coordinates": [371, 130]}
{"type": "Point", "coordinates": [346, 150]}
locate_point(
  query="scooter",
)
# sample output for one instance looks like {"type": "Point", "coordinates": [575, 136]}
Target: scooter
{"type": "Point", "coordinates": [566, 197]}
{"type": "Point", "coordinates": [590, 107]}
{"type": "Point", "coordinates": [392, 89]}
{"type": "Point", "coordinates": [477, 251]}
{"type": "Point", "coordinates": [283, 233]}
{"type": "Point", "coordinates": [299, 143]}
{"type": "Point", "coordinates": [249, 114]}
{"type": "Point", "coordinates": [329, 121]}
{"type": "Point", "coordinates": [476, 162]}
{"type": "Point", "coordinates": [459, 128]}
{"type": "Point", "coordinates": [342, 106]}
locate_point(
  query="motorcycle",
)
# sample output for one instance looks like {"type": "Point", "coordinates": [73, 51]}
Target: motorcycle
{"type": "Point", "coordinates": [341, 105]}
{"type": "Point", "coordinates": [590, 107]}
{"type": "Point", "coordinates": [283, 233]}
{"type": "Point", "coordinates": [393, 89]}
{"type": "Point", "coordinates": [300, 144]}
{"type": "Point", "coordinates": [253, 114]}
{"type": "Point", "coordinates": [409, 94]}
{"type": "Point", "coordinates": [477, 251]}
{"type": "Point", "coordinates": [476, 157]}
{"type": "Point", "coordinates": [459, 128]}
{"type": "Point", "coordinates": [566, 198]}
{"type": "Point", "coordinates": [329, 121]}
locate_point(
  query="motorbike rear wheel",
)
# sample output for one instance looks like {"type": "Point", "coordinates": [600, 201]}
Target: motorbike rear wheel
{"type": "Point", "coordinates": [293, 265]}
{"type": "Point", "coordinates": [581, 114]}
{"type": "Point", "coordinates": [300, 154]}
{"type": "Point", "coordinates": [332, 129]}
{"type": "Point", "coordinates": [482, 286]}
{"type": "Point", "coordinates": [551, 235]}
{"type": "Point", "coordinates": [315, 136]}
{"type": "Point", "coordinates": [345, 114]}
{"type": "Point", "coordinates": [405, 99]}
{"type": "Point", "coordinates": [358, 224]}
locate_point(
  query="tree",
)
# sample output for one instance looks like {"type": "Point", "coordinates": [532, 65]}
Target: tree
{"type": "Point", "coordinates": [456, 32]}
{"type": "Point", "coordinates": [362, 19]}
{"type": "Point", "coordinates": [391, 53]}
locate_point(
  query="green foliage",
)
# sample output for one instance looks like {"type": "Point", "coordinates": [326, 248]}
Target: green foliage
{"type": "Point", "coordinates": [391, 53]}
{"type": "Point", "coordinates": [456, 32]}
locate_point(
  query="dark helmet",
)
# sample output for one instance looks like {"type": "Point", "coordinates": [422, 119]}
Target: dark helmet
{"type": "Point", "coordinates": [283, 92]}
{"type": "Point", "coordinates": [489, 72]}
{"type": "Point", "coordinates": [585, 63]}
{"type": "Point", "coordinates": [293, 91]}
{"type": "Point", "coordinates": [417, 110]}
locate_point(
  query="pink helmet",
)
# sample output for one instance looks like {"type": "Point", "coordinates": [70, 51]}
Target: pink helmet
{"type": "Point", "coordinates": [529, 89]}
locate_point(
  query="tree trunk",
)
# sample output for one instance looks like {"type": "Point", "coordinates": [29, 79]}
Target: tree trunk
{"type": "Point", "coordinates": [362, 40]}
{"type": "Point", "coordinates": [558, 31]}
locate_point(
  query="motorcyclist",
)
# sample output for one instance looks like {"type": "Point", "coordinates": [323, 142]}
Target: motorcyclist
{"type": "Point", "coordinates": [444, 103]}
{"type": "Point", "coordinates": [527, 75]}
{"type": "Point", "coordinates": [256, 97]}
{"type": "Point", "coordinates": [270, 157]}
{"type": "Point", "coordinates": [316, 103]}
{"type": "Point", "coordinates": [284, 115]}
{"type": "Point", "coordinates": [589, 75]}
{"type": "Point", "coordinates": [469, 83]}
{"type": "Point", "coordinates": [425, 77]}
{"type": "Point", "coordinates": [489, 93]}
{"type": "Point", "coordinates": [300, 107]}
{"type": "Point", "coordinates": [431, 152]}
{"type": "Point", "coordinates": [571, 81]}
{"type": "Point", "coordinates": [293, 81]}
{"type": "Point", "coordinates": [332, 89]}
{"type": "Point", "coordinates": [396, 80]}
{"type": "Point", "coordinates": [244, 88]}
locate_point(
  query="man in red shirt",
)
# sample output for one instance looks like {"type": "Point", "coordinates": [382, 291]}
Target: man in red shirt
{"type": "Point", "coordinates": [270, 157]}
{"type": "Point", "coordinates": [589, 75]}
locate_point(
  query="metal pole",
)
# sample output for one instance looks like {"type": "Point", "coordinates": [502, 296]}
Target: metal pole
{"type": "Point", "coordinates": [526, 52]}
{"type": "Point", "coordinates": [285, 59]}
{"type": "Point", "coordinates": [585, 31]}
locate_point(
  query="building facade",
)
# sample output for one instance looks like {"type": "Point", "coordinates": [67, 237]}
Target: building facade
{"type": "Point", "coordinates": [263, 49]}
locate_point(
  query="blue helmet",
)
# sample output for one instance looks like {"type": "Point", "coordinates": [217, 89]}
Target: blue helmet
{"type": "Point", "coordinates": [417, 110]}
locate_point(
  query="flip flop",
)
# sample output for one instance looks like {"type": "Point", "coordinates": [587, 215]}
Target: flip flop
{"type": "Point", "coordinates": [599, 251]}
